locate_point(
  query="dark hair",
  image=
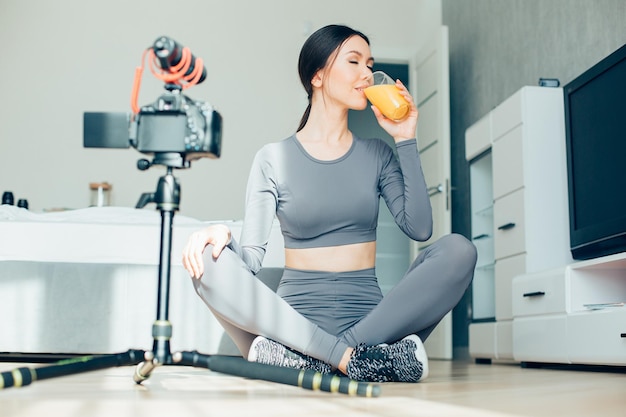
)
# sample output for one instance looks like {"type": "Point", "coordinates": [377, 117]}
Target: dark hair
{"type": "Point", "coordinates": [315, 53]}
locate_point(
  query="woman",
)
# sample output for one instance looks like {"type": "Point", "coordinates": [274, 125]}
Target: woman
{"type": "Point", "coordinates": [324, 185]}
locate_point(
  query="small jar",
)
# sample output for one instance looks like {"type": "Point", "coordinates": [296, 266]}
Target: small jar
{"type": "Point", "coordinates": [100, 194]}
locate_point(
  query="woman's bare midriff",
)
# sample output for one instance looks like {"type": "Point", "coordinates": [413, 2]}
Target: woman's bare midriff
{"type": "Point", "coordinates": [342, 258]}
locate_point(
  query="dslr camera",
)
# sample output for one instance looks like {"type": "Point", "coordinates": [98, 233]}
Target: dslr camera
{"type": "Point", "coordinates": [175, 129]}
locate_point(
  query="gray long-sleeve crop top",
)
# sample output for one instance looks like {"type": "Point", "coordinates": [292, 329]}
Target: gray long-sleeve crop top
{"type": "Point", "coordinates": [329, 203]}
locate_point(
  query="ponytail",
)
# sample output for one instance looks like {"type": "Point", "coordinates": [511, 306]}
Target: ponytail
{"type": "Point", "coordinates": [305, 117]}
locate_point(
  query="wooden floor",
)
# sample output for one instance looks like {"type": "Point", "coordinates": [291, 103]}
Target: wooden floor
{"type": "Point", "coordinates": [454, 388]}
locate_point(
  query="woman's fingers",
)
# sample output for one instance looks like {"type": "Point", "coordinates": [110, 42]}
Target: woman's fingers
{"type": "Point", "coordinates": [192, 254]}
{"type": "Point", "coordinates": [193, 261]}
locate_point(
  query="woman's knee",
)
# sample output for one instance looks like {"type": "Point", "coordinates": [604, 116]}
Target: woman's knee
{"type": "Point", "coordinates": [463, 248]}
{"type": "Point", "coordinates": [459, 251]}
{"type": "Point", "coordinates": [217, 269]}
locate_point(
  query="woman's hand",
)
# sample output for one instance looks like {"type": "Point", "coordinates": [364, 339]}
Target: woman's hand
{"type": "Point", "coordinates": [217, 235]}
{"type": "Point", "coordinates": [402, 129]}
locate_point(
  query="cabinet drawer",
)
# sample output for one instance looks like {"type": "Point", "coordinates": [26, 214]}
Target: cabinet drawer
{"type": "Point", "coordinates": [539, 293]}
{"type": "Point", "coordinates": [482, 340]}
{"type": "Point", "coordinates": [509, 225]}
{"type": "Point", "coordinates": [508, 171]}
{"type": "Point", "coordinates": [598, 337]}
{"type": "Point", "coordinates": [478, 137]}
{"type": "Point", "coordinates": [504, 339]}
{"type": "Point", "coordinates": [506, 270]}
{"type": "Point", "coordinates": [541, 339]}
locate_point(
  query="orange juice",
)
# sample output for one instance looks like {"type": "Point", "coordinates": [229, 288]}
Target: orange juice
{"type": "Point", "coordinates": [389, 101]}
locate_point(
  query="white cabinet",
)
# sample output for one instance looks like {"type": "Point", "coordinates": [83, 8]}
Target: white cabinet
{"type": "Point", "coordinates": [573, 314]}
{"type": "Point", "coordinates": [522, 141]}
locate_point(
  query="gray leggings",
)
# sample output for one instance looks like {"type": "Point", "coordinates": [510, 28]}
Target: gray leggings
{"type": "Point", "coordinates": [246, 307]}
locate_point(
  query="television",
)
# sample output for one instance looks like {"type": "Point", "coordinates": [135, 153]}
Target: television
{"type": "Point", "coordinates": [595, 134]}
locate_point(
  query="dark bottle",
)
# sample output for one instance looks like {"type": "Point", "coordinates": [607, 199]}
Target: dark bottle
{"type": "Point", "coordinates": [7, 198]}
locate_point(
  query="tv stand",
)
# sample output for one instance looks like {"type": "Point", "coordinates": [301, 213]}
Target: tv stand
{"type": "Point", "coordinates": [572, 315]}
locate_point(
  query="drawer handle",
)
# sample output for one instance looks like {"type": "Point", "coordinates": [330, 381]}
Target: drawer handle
{"type": "Point", "coordinates": [623, 335]}
{"type": "Point", "coordinates": [507, 226]}
{"type": "Point", "coordinates": [482, 236]}
{"type": "Point", "coordinates": [534, 294]}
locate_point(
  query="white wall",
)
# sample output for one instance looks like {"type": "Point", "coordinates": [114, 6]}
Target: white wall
{"type": "Point", "coordinates": [61, 58]}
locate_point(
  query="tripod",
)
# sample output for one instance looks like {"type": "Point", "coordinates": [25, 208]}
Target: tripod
{"type": "Point", "coordinates": [167, 199]}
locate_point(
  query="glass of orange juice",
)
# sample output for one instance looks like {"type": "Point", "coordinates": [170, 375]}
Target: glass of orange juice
{"type": "Point", "coordinates": [384, 94]}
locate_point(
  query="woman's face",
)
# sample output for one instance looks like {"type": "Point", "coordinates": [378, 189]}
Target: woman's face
{"type": "Point", "coordinates": [347, 74]}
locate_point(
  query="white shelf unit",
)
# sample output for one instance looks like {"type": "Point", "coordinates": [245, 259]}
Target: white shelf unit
{"type": "Point", "coordinates": [573, 314]}
{"type": "Point", "coordinates": [483, 287]}
{"type": "Point", "coordinates": [478, 140]}
{"type": "Point", "coordinates": [525, 137]}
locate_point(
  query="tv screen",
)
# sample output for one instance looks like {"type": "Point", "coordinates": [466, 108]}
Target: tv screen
{"type": "Point", "coordinates": [595, 131]}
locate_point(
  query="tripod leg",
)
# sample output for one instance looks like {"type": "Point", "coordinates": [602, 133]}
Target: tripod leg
{"type": "Point", "coordinates": [308, 379]}
{"type": "Point", "coordinates": [166, 197]}
{"type": "Point", "coordinates": [21, 377]}
{"type": "Point", "coordinates": [145, 368]}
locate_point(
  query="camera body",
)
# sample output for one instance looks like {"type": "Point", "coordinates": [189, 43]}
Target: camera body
{"type": "Point", "coordinates": [174, 123]}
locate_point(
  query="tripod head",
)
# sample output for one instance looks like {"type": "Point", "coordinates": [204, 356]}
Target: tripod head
{"type": "Point", "coordinates": [167, 159]}
{"type": "Point", "coordinates": [167, 195]}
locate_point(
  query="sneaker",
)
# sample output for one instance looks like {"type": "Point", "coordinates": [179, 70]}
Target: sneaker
{"type": "Point", "coordinates": [403, 361]}
{"type": "Point", "coordinates": [269, 352]}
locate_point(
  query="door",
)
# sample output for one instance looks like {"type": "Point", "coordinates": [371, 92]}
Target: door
{"type": "Point", "coordinates": [431, 89]}
{"type": "Point", "coordinates": [427, 77]}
